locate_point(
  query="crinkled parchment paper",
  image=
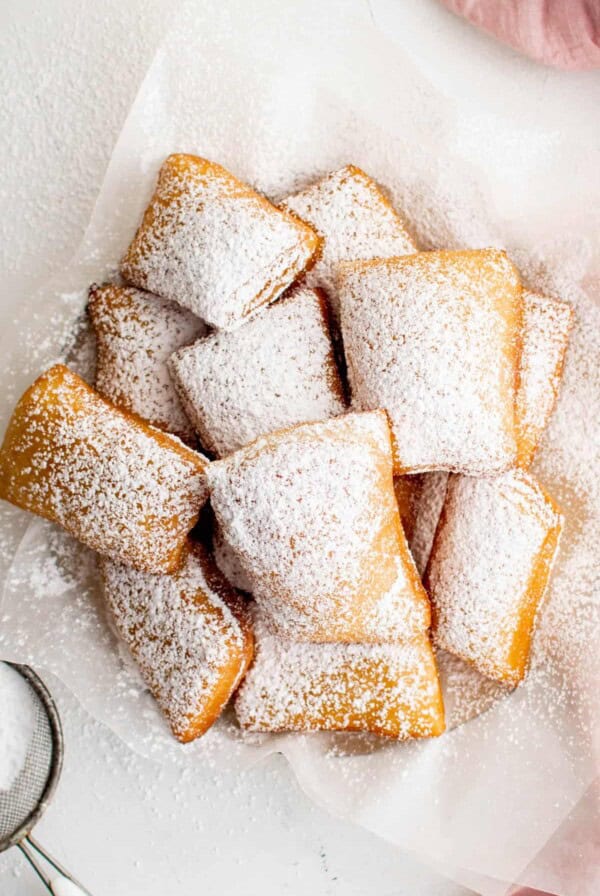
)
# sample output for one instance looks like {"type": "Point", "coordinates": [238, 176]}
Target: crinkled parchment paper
{"type": "Point", "coordinates": [478, 147]}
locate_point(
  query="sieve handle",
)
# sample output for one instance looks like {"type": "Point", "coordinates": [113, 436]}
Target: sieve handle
{"type": "Point", "coordinates": [56, 879]}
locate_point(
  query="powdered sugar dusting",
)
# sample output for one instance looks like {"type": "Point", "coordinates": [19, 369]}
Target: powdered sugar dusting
{"type": "Point", "coordinates": [546, 327]}
{"type": "Point", "coordinates": [117, 485]}
{"type": "Point", "coordinates": [356, 221]}
{"type": "Point", "coordinates": [275, 371]}
{"type": "Point", "coordinates": [187, 633]}
{"type": "Point", "coordinates": [215, 246]}
{"type": "Point", "coordinates": [311, 514]}
{"type": "Point", "coordinates": [491, 536]}
{"type": "Point", "coordinates": [434, 339]}
{"type": "Point", "coordinates": [136, 333]}
{"type": "Point", "coordinates": [17, 724]}
{"type": "Point", "coordinates": [389, 689]}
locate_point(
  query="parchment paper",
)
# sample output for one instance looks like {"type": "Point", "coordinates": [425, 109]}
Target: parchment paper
{"type": "Point", "coordinates": [477, 149]}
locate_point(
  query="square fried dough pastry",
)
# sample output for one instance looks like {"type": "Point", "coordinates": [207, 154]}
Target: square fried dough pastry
{"type": "Point", "coordinates": [547, 324]}
{"type": "Point", "coordinates": [391, 690]}
{"type": "Point", "coordinates": [136, 333]}
{"type": "Point", "coordinates": [211, 243]}
{"type": "Point", "coordinates": [434, 338]}
{"type": "Point", "coordinates": [310, 511]}
{"type": "Point", "coordinates": [126, 490]}
{"type": "Point", "coordinates": [189, 633]}
{"type": "Point", "coordinates": [420, 500]}
{"type": "Point", "coordinates": [489, 568]}
{"type": "Point", "coordinates": [277, 370]}
{"type": "Point", "coordinates": [355, 220]}
{"type": "Point", "coordinates": [228, 561]}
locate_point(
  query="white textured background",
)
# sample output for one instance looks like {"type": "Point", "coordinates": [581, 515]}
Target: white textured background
{"type": "Point", "coordinates": [69, 70]}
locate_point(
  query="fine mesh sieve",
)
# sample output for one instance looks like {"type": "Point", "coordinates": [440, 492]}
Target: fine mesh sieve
{"type": "Point", "coordinates": [22, 805]}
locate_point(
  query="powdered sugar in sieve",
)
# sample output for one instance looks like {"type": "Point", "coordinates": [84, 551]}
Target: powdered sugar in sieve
{"type": "Point", "coordinates": [31, 754]}
{"type": "Point", "coordinates": [17, 725]}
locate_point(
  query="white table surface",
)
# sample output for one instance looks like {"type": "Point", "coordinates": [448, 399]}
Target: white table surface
{"type": "Point", "coordinates": [69, 70]}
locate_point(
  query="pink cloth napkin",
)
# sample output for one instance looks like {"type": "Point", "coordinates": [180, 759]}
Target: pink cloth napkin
{"type": "Point", "coordinates": [563, 33]}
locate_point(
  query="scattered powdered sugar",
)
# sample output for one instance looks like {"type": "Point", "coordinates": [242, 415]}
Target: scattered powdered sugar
{"type": "Point", "coordinates": [434, 339]}
{"type": "Point", "coordinates": [188, 634]}
{"type": "Point", "coordinates": [356, 221]}
{"type": "Point", "coordinates": [117, 485]}
{"type": "Point", "coordinates": [388, 689]}
{"type": "Point", "coordinates": [546, 327]}
{"type": "Point", "coordinates": [274, 371]}
{"type": "Point", "coordinates": [491, 537]}
{"type": "Point", "coordinates": [311, 514]}
{"type": "Point", "coordinates": [136, 333]}
{"type": "Point", "coordinates": [17, 724]}
{"type": "Point", "coordinates": [214, 245]}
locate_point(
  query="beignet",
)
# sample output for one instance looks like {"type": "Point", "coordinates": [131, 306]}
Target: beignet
{"type": "Point", "coordinates": [425, 494]}
{"type": "Point", "coordinates": [391, 690]}
{"type": "Point", "coordinates": [189, 633]}
{"type": "Point", "coordinates": [136, 333]}
{"type": "Point", "coordinates": [489, 568]}
{"type": "Point", "coordinates": [276, 370]}
{"type": "Point", "coordinates": [355, 220]}
{"type": "Point", "coordinates": [211, 243]}
{"type": "Point", "coordinates": [547, 324]}
{"type": "Point", "coordinates": [126, 490]}
{"type": "Point", "coordinates": [434, 338]}
{"type": "Point", "coordinates": [310, 511]}
{"type": "Point", "coordinates": [406, 490]}
{"type": "Point", "coordinates": [228, 561]}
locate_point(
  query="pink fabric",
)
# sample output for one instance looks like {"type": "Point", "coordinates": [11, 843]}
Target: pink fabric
{"type": "Point", "coordinates": [527, 891]}
{"type": "Point", "coordinates": [563, 33]}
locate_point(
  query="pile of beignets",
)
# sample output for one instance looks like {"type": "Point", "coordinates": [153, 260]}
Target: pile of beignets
{"type": "Point", "coordinates": [355, 420]}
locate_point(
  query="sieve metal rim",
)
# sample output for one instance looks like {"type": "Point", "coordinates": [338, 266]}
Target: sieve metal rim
{"type": "Point", "coordinates": [56, 733]}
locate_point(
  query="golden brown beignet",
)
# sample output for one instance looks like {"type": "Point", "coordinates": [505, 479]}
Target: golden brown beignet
{"type": "Point", "coordinates": [211, 243]}
{"type": "Point", "coordinates": [428, 495]}
{"type": "Point", "coordinates": [420, 499]}
{"type": "Point", "coordinates": [274, 371]}
{"type": "Point", "coordinates": [311, 513]}
{"type": "Point", "coordinates": [391, 690]}
{"type": "Point", "coordinates": [547, 324]}
{"type": "Point", "coordinates": [434, 339]}
{"type": "Point", "coordinates": [126, 490]}
{"type": "Point", "coordinates": [228, 560]}
{"type": "Point", "coordinates": [406, 489]}
{"type": "Point", "coordinates": [356, 221]}
{"type": "Point", "coordinates": [136, 334]}
{"type": "Point", "coordinates": [189, 633]}
{"type": "Point", "coordinates": [489, 568]}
